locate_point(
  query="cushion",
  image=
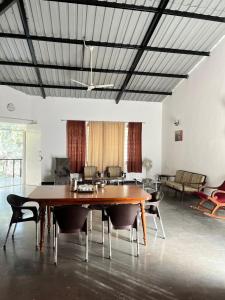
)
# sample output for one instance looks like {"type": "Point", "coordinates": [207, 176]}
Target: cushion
{"type": "Point", "coordinates": [190, 189]}
{"type": "Point", "coordinates": [114, 171]}
{"type": "Point", "coordinates": [187, 176]}
{"type": "Point", "coordinates": [179, 175]}
{"type": "Point", "coordinates": [196, 180]}
{"type": "Point", "coordinates": [173, 184]}
{"type": "Point", "coordinates": [90, 172]}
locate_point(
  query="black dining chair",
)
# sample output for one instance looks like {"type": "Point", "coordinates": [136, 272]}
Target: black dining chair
{"type": "Point", "coordinates": [18, 215]}
{"type": "Point", "coordinates": [70, 219]}
{"type": "Point", "coordinates": [152, 208]}
{"type": "Point", "coordinates": [123, 216]}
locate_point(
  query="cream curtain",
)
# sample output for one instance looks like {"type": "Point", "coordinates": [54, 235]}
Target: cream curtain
{"type": "Point", "coordinates": [95, 145]}
{"type": "Point", "coordinates": [106, 144]}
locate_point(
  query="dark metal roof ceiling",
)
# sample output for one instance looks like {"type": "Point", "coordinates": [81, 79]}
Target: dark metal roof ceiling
{"type": "Point", "coordinates": [144, 47]}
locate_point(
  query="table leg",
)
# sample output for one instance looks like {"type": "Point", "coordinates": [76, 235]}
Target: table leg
{"type": "Point", "coordinates": [143, 222]}
{"type": "Point", "coordinates": [42, 225]}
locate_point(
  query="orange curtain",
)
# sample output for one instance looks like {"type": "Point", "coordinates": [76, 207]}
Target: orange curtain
{"type": "Point", "coordinates": [134, 160]}
{"type": "Point", "coordinates": [76, 145]}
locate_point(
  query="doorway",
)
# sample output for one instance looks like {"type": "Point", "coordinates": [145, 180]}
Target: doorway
{"type": "Point", "coordinates": [12, 137]}
{"type": "Point", "coordinates": [20, 154]}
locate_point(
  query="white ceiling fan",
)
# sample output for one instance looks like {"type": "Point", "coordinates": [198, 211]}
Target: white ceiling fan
{"type": "Point", "coordinates": [92, 86]}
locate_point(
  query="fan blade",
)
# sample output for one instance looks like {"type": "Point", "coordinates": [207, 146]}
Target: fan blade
{"type": "Point", "coordinates": [103, 86]}
{"type": "Point", "coordinates": [81, 83]}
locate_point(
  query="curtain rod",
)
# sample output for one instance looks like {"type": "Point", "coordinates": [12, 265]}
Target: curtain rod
{"type": "Point", "coordinates": [20, 119]}
{"type": "Point", "coordinates": [62, 120]}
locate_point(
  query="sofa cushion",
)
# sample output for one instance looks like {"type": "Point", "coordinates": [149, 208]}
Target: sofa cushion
{"type": "Point", "coordinates": [190, 189]}
{"type": "Point", "coordinates": [169, 183]}
{"type": "Point", "coordinates": [187, 176]}
{"type": "Point", "coordinates": [114, 171]}
{"type": "Point", "coordinates": [179, 176]}
{"type": "Point", "coordinates": [197, 180]}
{"type": "Point", "coordinates": [90, 172]}
{"type": "Point", "coordinates": [174, 185]}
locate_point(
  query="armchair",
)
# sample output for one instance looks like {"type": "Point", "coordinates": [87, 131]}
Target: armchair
{"type": "Point", "coordinates": [115, 173]}
{"type": "Point", "coordinates": [216, 199]}
{"type": "Point", "coordinates": [90, 173]}
{"type": "Point", "coordinates": [62, 171]}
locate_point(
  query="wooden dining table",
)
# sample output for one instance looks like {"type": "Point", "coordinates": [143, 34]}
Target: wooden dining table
{"type": "Point", "coordinates": [58, 195]}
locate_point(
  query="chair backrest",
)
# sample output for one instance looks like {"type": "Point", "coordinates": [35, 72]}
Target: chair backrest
{"type": "Point", "coordinates": [62, 166]}
{"type": "Point", "coordinates": [157, 196]}
{"type": "Point", "coordinates": [194, 180]}
{"type": "Point", "coordinates": [90, 171]}
{"type": "Point", "coordinates": [179, 175]}
{"type": "Point", "coordinates": [153, 204]}
{"type": "Point", "coordinates": [16, 201]}
{"type": "Point", "coordinates": [147, 182]}
{"type": "Point", "coordinates": [197, 180]}
{"type": "Point", "coordinates": [114, 171]}
{"type": "Point", "coordinates": [71, 218]}
{"type": "Point", "coordinates": [123, 216]}
{"type": "Point", "coordinates": [222, 187]}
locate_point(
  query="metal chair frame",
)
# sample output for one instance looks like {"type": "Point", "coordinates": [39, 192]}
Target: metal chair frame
{"type": "Point", "coordinates": [154, 211]}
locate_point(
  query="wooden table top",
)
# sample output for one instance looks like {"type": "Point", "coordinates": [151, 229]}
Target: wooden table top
{"type": "Point", "coordinates": [61, 194]}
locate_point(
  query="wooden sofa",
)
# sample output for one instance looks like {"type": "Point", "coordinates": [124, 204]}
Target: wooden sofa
{"type": "Point", "coordinates": [186, 182]}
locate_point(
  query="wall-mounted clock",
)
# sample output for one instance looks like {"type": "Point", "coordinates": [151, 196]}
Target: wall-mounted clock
{"type": "Point", "coordinates": [10, 107]}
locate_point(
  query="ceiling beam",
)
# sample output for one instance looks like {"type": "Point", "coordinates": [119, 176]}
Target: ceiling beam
{"type": "Point", "coordinates": [145, 41]}
{"type": "Point", "coordinates": [5, 5]}
{"type": "Point", "coordinates": [155, 10]}
{"type": "Point", "coordinates": [96, 70]}
{"type": "Point", "coordinates": [30, 43]}
{"type": "Point", "coordinates": [102, 44]}
{"type": "Point", "coordinates": [68, 87]}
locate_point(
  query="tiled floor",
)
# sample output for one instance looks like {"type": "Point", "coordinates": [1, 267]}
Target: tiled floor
{"type": "Point", "coordinates": [10, 181]}
{"type": "Point", "coordinates": [189, 264]}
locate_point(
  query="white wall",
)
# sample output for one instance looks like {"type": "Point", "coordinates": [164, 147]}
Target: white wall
{"type": "Point", "coordinates": [51, 111]}
{"type": "Point", "coordinates": [21, 102]}
{"type": "Point", "coordinates": [199, 104]}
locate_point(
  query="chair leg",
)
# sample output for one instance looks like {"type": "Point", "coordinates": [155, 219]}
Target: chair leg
{"type": "Point", "coordinates": [110, 242]}
{"type": "Point", "coordinates": [36, 235]}
{"type": "Point", "coordinates": [56, 244]}
{"type": "Point", "coordinates": [155, 224]}
{"type": "Point", "coordinates": [137, 236]}
{"type": "Point", "coordinates": [161, 223]}
{"type": "Point", "coordinates": [91, 217]}
{"type": "Point", "coordinates": [103, 236]}
{"type": "Point", "coordinates": [10, 225]}
{"type": "Point", "coordinates": [182, 196]}
{"type": "Point", "coordinates": [131, 235]}
{"type": "Point", "coordinates": [14, 230]}
{"type": "Point", "coordinates": [215, 209]}
{"type": "Point", "coordinates": [86, 246]}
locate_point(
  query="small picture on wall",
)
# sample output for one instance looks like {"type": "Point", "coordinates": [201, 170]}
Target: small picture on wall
{"type": "Point", "coordinates": [178, 135]}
